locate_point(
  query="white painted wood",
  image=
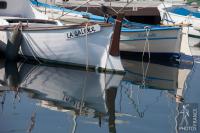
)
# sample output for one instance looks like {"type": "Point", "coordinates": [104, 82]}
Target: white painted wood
{"type": "Point", "coordinates": [160, 41]}
{"type": "Point", "coordinates": [182, 20]}
{"type": "Point", "coordinates": [53, 45]}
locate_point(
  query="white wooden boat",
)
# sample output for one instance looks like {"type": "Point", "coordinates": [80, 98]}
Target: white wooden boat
{"type": "Point", "coordinates": [135, 37]}
{"type": "Point", "coordinates": [182, 14]}
{"type": "Point", "coordinates": [157, 40]}
{"type": "Point", "coordinates": [51, 41]}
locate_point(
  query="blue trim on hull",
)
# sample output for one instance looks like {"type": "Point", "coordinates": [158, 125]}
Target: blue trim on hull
{"type": "Point", "coordinates": [142, 29]}
{"type": "Point", "coordinates": [140, 39]}
{"type": "Point", "coordinates": [132, 26]}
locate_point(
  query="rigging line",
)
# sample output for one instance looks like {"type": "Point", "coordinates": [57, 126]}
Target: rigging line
{"type": "Point", "coordinates": [73, 9]}
{"type": "Point", "coordinates": [167, 13]}
{"type": "Point", "coordinates": [97, 9]}
{"type": "Point", "coordinates": [116, 12]}
{"type": "Point", "coordinates": [125, 6]}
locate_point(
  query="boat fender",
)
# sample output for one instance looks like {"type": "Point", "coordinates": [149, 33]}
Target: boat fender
{"type": "Point", "coordinates": [114, 46]}
{"type": "Point", "coordinates": [13, 43]}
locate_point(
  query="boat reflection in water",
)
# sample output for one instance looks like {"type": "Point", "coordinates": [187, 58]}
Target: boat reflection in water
{"type": "Point", "coordinates": [154, 89]}
{"type": "Point", "coordinates": [65, 89]}
{"type": "Point", "coordinates": [95, 98]}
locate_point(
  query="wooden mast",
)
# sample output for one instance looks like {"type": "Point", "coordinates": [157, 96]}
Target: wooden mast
{"type": "Point", "coordinates": [114, 46]}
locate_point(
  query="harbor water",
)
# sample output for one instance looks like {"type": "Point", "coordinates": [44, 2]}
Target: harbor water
{"type": "Point", "coordinates": [149, 98]}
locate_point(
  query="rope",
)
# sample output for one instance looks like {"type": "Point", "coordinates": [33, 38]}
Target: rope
{"type": "Point", "coordinates": [74, 9]}
{"type": "Point", "coordinates": [107, 52]}
{"type": "Point", "coordinates": [86, 42]}
{"type": "Point", "coordinates": [125, 6]}
{"type": "Point", "coordinates": [145, 70]}
{"type": "Point", "coordinates": [83, 93]}
{"type": "Point", "coordinates": [86, 45]}
{"type": "Point", "coordinates": [127, 86]}
{"type": "Point", "coordinates": [75, 124]}
{"type": "Point", "coordinates": [31, 49]}
{"type": "Point", "coordinates": [167, 13]}
{"type": "Point", "coordinates": [45, 9]}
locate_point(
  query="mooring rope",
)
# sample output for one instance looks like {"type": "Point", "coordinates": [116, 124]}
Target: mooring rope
{"type": "Point", "coordinates": [86, 46]}
{"type": "Point", "coordinates": [83, 92]}
{"type": "Point", "coordinates": [145, 70]}
{"type": "Point", "coordinates": [31, 49]}
{"type": "Point", "coordinates": [75, 124]}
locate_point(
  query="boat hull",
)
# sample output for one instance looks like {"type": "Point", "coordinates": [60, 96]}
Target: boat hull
{"type": "Point", "coordinates": [159, 41]}
{"type": "Point", "coordinates": [53, 45]}
{"type": "Point", "coordinates": [131, 40]}
{"type": "Point", "coordinates": [194, 34]}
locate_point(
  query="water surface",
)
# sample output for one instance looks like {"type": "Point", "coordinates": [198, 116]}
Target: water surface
{"type": "Point", "coordinates": [46, 99]}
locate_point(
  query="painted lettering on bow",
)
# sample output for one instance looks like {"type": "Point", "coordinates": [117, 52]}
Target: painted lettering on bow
{"type": "Point", "coordinates": [82, 31]}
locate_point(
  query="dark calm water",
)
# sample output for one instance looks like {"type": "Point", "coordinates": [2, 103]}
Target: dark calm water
{"type": "Point", "coordinates": [47, 99]}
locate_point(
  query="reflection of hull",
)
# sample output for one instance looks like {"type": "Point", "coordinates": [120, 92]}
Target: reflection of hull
{"type": "Point", "coordinates": [158, 76]}
{"type": "Point", "coordinates": [67, 87]}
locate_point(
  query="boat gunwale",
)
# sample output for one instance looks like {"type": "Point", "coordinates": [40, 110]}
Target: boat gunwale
{"type": "Point", "coordinates": [26, 27]}
{"type": "Point", "coordinates": [151, 29]}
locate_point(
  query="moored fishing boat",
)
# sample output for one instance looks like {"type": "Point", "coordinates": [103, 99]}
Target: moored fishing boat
{"type": "Point", "coordinates": [86, 45]}
{"type": "Point", "coordinates": [135, 37]}
{"type": "Point", "coordinates": [154, 39]}
{"type": "Point", "coordinates": [182, 14]}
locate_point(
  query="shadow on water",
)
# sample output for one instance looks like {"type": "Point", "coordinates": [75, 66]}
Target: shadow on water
{"type": "Point", "coordinates": [38, 98]}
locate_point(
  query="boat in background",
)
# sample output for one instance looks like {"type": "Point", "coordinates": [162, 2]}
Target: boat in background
{"type": "Point", "coordinates": [151, 39]}
{"type": "Point", "coordinates": [182, 14]}
{"type": "Point", "coordinates": [135, 37]}
{"type": "Point", "coordinates": [86, 45]}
